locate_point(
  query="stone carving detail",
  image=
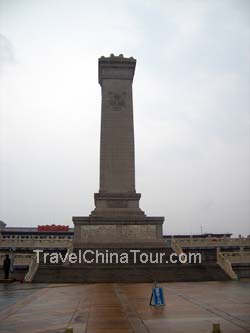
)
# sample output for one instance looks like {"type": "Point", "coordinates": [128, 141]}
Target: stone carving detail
{"type": "Point", "coordinates": [117, 101]}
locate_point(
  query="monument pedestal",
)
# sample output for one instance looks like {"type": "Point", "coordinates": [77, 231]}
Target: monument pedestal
{"type": "Point", "coordinates": [117, 204]}
{"type": "Point", "coordinates": [118, 221]}
{"type": "Point", "coordinates": [122, 231]}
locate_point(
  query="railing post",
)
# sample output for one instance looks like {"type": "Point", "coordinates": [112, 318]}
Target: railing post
{"type": "Point", "coordinates": [225, 264]}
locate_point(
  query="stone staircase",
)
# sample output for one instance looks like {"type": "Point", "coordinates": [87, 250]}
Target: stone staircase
{"type": "Point", "coordinates": [207, 270]}
{"type": "Point", "coordinates": [137, 273]}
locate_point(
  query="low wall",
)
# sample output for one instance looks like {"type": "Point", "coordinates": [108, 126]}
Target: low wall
{"type": "Point", "coordinates": [242, 270]}
{"type": "Point", "coordinates": [18, 274]}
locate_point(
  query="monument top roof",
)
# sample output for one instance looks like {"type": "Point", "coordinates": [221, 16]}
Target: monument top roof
{"type": "Point", "coordinates": [118, 58]}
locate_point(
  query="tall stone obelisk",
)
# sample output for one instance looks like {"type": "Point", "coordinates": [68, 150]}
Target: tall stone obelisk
{"type": "Point", "coordinates": [117, 165]}
{"type": "Point", "coordinates": [117, 157]}
{"type": "Point", "coordinates": [117, 218]}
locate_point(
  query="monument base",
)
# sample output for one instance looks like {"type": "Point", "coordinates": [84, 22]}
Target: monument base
{"type": "Point", "coordinates": [126, 231]}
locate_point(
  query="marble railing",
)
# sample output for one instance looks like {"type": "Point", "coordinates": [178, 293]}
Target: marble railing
{"type": "Point", "coordinates": [69, 250]}
{"type": "Point", "coordinates": [204, 242]}
{"type": "Point", "coordinates": [226, 265]}
{"type": "Point", "coordinates": [34, 243]}
{"type": "Point", "coordinates": [33, 267]}
{"type": "Point", "coordinates": [176, 246]}
{"type": "Point", "coordinates": [237, 257]}
{"type": "Point", "coordinates": [20, 259]}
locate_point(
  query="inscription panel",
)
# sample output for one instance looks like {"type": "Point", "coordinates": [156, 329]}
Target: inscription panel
{"type": "Point", "coordinates": [118, 233]}
{"type": "Point", "coordinates": [117, 204]}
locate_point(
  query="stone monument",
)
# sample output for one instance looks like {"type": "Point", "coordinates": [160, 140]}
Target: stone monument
{"type": "Point", "coordinates": [117, 225]}
{"type": "Point", "coordinates": [117, 220]}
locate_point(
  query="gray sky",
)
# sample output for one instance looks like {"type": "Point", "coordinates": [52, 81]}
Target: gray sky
{"type": "Point", "coordinates": [191, 108]}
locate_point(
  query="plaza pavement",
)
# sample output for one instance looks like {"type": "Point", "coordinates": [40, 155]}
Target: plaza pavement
{"type": "Point", "coordinates": [120, 308]}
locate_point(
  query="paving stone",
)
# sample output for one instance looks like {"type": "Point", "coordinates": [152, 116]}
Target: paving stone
{"type": "Point", "coordinates": [124, 308]}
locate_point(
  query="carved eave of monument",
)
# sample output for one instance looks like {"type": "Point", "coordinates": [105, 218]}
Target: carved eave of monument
{"type": "Point", "coordinates": [117, 218]}
{"type": "Point", "coordinates": [124, 68]}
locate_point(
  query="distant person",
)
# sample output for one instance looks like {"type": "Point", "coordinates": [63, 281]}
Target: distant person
{"type": "Point", "coordinates": [6, 266]}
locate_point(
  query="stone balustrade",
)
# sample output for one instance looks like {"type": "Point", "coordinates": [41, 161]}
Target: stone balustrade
{"type": "Point", "coordinates": [209, 241]}
{"type": "Point", "coordinates": [237, 256]}
{"type": "Point", "coordinates": [226, 265]}
{"type": "Point", "coordinates": [21, 259]}
{"type": "Point", "coordinates": [33, 267]}
{"type": "Point", "coordinates": [31, 242]}
{"type": "Point", "coordinates": [176, 246]}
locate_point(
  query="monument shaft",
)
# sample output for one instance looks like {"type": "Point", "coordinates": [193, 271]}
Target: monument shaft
{"type": "Point", "coordinates": [117, 166]}
{"type": "Point", "coordinates": [117, 193]}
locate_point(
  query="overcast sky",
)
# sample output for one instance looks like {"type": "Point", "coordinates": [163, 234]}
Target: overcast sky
{"type": "Point", "coordinates": [191, 108]}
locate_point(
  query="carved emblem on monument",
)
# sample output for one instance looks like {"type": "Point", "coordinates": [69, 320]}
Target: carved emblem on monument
{"type": "Point", "coordinates": [117, 101]}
